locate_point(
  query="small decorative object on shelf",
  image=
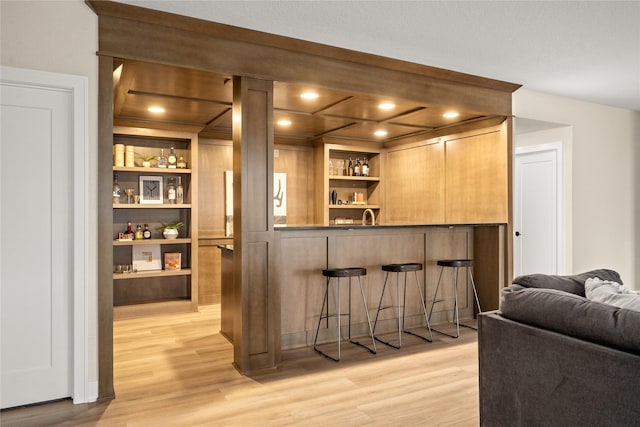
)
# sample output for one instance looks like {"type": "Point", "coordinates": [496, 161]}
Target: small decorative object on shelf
{"type": "Point", "coordinates": [172, 261]}
{"type": "Point", "coordinates": [117, 192]}
{"type": "Point", "coordinates": [118, 155]}
{"type": "Point", "coordinates": [151, 191]}
{"type": "Point", "coordinates": [146, 160]}
{"type": "Point", "coordinates": [129, 157]}
{"type": "Point", "coordinates": [129, 193]}
{"type": "Point", "coordinates": [146, 233]}
{"type": "Point", "coordinates": [182, 163]}
{"type": "Point", "coordinates": [172, 159]}
{"type": "Point", "coordinates": [146, 257]}
{"type": "Point", "coordinates": [126, 235]}
{"type": "Point", "coordinates": [138, 233]}
{"type": "Point", "coordinates": [162, 160]}
{"type": "Point", "coordinates": [179, 192]}
{"type": "Point", "coordinates": [171, 192]}
{"type": "Point", "coordinates": [170, 230]}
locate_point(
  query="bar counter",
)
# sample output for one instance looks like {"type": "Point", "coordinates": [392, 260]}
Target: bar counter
{"type": "Point", "coordinates": [304, 251]}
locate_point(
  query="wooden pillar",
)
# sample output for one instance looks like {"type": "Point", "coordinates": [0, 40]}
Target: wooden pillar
{"type": "Point", "coordinates": [256, 335]}
{"type": "Point", "coordinates": [105, 229]}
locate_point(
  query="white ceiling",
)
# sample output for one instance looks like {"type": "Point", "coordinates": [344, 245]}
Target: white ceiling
{"type": "Point", "coordinates": [587, 50]}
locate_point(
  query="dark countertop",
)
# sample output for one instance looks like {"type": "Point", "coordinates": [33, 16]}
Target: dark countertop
{"type": "Point", "coordinates": [362, 227]}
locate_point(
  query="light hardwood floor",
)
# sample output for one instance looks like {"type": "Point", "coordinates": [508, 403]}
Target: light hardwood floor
{"type": "Point", "coordinates": [175, 370]}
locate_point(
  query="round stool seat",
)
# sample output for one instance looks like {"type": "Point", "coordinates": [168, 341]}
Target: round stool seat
{"type": "Point", "coordinates": [402, 268]}
{"type": "Point", "coordinates": [455, 263]}
{"type": "Point", "coordinates": [345, 272]}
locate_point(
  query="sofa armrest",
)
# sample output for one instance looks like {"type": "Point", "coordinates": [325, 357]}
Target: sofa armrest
{"type": "Point", "coordinates": [531, 376]}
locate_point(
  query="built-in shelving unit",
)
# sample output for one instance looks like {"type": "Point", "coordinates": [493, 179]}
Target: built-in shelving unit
{"type": "Point", "coordinates": [354, 194]}
{"type": "Point", "coordinates": [145, 292]}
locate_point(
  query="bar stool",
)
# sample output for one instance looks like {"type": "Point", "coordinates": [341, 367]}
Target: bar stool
{"type": "Point", "coordinates": [339, 273]}
{"type": "Point", "coordinates": [456, 264]}
{"type": "Point", "coordinates": [400, 305]}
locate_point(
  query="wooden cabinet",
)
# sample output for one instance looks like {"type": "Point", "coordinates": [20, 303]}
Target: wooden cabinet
{"type": "Point", "coordinates": [415, 184]}
{"type": "Point", "coordinates": [476, 179]}
{"type": "Point", "coordinates": [456, 179]}
{"type": "Point", "coordinates": [161, 289]}
{"type": "Point", "coordinates": [353, 194]}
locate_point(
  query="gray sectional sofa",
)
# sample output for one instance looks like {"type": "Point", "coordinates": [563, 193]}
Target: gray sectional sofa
{"type": "Point", "coordinates": [553, 357]}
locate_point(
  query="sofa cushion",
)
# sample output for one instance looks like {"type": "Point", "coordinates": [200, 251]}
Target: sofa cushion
{"type": "Point", "coordinates": [612, 293]}
{"type": "Point", "coordinates": [573, 315]}
{"type": "Point", "coordinates": [573, 284]}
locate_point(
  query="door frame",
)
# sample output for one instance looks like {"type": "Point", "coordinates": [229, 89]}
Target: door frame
{"type": "Point", "coordinates": [555, 147]}
{"type": "Point", "coordinates": [84, 390]}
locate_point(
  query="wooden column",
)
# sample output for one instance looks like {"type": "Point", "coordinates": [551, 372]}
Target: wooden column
{"type": "Point", "coordinates": [256, 335]}
{"type": "Point", "coordinates": [105, 229]}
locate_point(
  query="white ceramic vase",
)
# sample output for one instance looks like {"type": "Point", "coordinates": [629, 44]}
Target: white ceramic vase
{"type": "Point", "coordinates": [170, 233]}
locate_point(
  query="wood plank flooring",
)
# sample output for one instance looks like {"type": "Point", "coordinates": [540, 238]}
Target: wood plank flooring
{"type": "Point", "coordinates": [175, 370]}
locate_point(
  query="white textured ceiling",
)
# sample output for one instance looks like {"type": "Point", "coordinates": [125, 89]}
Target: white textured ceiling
{"type": "Point", "coordinates": [587, 50]}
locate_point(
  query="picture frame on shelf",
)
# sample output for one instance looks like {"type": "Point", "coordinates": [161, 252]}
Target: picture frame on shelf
{"type": "Point", "coordinates": [151, 190]}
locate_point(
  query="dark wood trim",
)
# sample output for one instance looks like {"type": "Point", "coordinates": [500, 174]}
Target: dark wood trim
{"type": "Point", "coordinates": [261, 40]}
{"type": "Point", "coordinates": [105, 232]}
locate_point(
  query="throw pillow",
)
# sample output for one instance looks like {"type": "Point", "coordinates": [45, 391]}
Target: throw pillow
{"type": "Point", "coordinates": [573, 284]}
{"type": "Point", "coordinates": [612, 293]}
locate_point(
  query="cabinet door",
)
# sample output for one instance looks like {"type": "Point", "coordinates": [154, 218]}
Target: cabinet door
{"type": "Point", "coordinates": [476, 177]}
{"type": "Point", "coordinates": [415, 185]}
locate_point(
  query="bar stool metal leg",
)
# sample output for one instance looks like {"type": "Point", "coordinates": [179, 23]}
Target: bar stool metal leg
{"type": "Point", "coordinates": [326, 314]}
{"type": "Point", "coordinates": [366, 310]}
{"type": "Point", "coordinates": [456, 265]}
{"type": "Point", "coordinates": [401, 301]}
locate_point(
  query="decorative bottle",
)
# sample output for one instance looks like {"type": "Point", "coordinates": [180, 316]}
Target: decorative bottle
{"type": "Point", "coordinates": [365, 167]}
{"type": "Point", "coordinates": [171, 192]}
{"type": "Point", "coordinates": [172, 159]}
{"type": "Point", "coordinates": [162, 160]}
{"type": "Point", "coordinates": [350, 168]}
{"type": "Point", "coordinates": [179, 192]}
{"type": "Point", "coordinates": [146, 233]}
{"type": "Point", "coordinates": [138, 233]}
{"type": "Point", "coordinates": [117, 192]}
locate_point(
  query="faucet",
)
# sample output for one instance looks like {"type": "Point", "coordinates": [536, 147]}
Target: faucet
{"type": "Point", "coordinates": [364, 217]}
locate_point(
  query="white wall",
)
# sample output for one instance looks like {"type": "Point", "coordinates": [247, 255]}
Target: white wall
{"type": "Point", "coordinates": [62, 37]}
{"type": "Point", "coordinates": [604, 193]}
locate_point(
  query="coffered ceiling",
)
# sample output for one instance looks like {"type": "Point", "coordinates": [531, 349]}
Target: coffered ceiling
{"type": "Point", "coordinates": [201, 101]}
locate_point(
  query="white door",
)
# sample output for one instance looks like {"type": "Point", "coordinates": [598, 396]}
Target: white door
{"type": "Point", "coordinates": [36, 239]}
{"type": "Point", "coordinates": [537, 210]}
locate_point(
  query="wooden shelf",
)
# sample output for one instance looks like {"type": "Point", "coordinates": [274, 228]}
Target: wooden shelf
{"type": "Point", "coordinates": [354, 178]}
{"type": "Point", "coordinates": [150, 170]}
{"type": "Point", "coordinates": [352, 206]}
{"type": "Point", "coordinates": [154, 273]}
{"type": "Point", "coordinates": [152, 242]}
{"type": "Point", "coordinates": [151, 206]}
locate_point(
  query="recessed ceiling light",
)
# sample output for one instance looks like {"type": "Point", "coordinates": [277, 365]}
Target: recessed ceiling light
{"type": "Point", "coordinates": [387, 106]}
{"type": "Point", "coordinates": [380, 133]}
{"type": "Point", "coordinates": [450, 114]}
{"type": "Point", "coordinates": [309, 95]}
{"type": "Point", "coordinates": [284, 122]}
{"type": "Point", "coordinates": [155, 110]}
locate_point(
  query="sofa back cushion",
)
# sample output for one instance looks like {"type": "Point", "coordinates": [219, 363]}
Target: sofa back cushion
{"type": "Point", "coordinates": [573, 315]}
{"type": "Point", "coordinates": [573, 284]}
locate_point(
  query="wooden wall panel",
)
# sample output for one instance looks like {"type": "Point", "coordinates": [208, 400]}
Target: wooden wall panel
{"type": "Point", "coordinates": [214, 157]}
{"type": "Point", "coordinates": [415, 185]}
{"type": "Point", "coordinates": [476, 179]}
{"type": "Point", "coordinates": [257, 314]}
{"type": "Point", "coordinates": [297, 163]}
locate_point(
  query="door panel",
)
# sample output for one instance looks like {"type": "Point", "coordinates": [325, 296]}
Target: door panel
{"type": "Point", "coordinates": [536, 213]}
{"type": "Point", "coordinates": [36, 244]}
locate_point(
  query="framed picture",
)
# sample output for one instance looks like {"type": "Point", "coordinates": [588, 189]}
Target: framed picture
{"type": "Point", "coordinates": [151, 190]}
